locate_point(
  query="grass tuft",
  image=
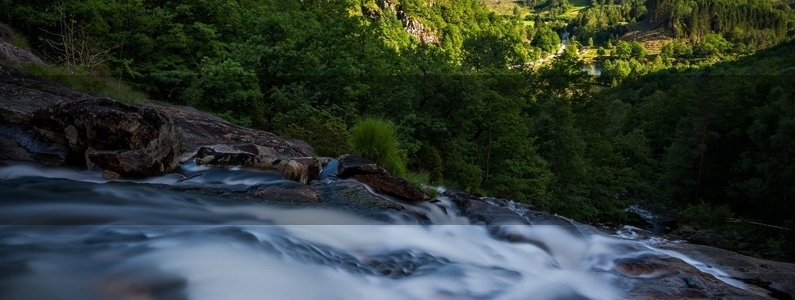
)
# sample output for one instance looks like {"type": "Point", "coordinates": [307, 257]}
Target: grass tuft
{"type": "Point", "coordinates": [375, 139]}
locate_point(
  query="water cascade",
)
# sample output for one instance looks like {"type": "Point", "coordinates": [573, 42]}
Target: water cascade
{"type": "Point", "coordinates": [68, 234]}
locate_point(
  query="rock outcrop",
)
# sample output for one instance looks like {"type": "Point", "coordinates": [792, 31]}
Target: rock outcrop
{"type": "Point", "coordinates": [367, 172]}
{"type": "Point", "coordinates": [199, 129]}
{"type": "Point", "coordinates": [129, 140]}
{"type": "Point", "coordinates": [48, 123]}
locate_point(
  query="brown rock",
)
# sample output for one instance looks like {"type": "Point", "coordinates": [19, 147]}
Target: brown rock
{"type": "Point", "coordinates": [393, 186]}
{"type": "Point", "coordinates": [110, 175]}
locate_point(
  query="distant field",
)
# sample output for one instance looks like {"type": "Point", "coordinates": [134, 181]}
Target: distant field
{"type": "Point", "coordinates": [505, 7]}
{"type": "Point", "coordinates": [576, 7]}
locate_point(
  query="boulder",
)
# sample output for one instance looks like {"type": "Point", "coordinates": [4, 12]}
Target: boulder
{"type": "Point", "coordinates": [350, 165]}
{"type": "Point", "coordinates": [375, 176]}
{"type": "Point", "coordinates": [129, 140]}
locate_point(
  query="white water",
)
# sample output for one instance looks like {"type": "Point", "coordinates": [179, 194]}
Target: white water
{"type": "Point", "coordinates": [87, 238]}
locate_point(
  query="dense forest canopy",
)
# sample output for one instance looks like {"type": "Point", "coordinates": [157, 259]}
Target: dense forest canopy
{"type": "Point", "coordinates": [470, 112]}
{"type": "Point", "coordinates": [754, 22]}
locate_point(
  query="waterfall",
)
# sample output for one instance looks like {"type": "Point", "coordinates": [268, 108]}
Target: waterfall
{"type": "Point", "coordinates": [203, 234]}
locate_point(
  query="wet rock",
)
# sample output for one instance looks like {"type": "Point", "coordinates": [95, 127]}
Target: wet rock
{"type": "Point", "coordinates": [375, 176]}
{"type": "Point", "coordinates": [771, 278]}
{"type": "Point", "coordinates": [353, 197]}
{"type": "Point", "coordinates": [479, 211]}
{"type": "Point", "coordinates": [302, 169]}
{"type": "Point", "coordinates": [110, 175]}
{"type": "Point", "coordinates": [398, 187]}
{"type": "Point", "coordinates": [664, 277]}
{"type": "Point", "coordinates": [129, 140]}
{"type": "Point", "coordinates": [280, 194]}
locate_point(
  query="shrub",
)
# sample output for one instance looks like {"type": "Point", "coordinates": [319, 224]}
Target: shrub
{"type": "Point", "coordinates": [375, 139]}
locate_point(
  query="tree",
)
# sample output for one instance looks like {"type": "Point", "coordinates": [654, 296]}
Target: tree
{"type": "Point", "coordinates": [638, 51]}
{"type": "Point", "coordinates": [623, 50]}
{"type": "Point", "coordinates": [546, 39]}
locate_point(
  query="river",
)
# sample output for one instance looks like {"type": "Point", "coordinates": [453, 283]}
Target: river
{"type": "Point", "coordinates": [68, 234]}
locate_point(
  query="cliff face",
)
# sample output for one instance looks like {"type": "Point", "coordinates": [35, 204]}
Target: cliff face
{"type": "Point", "coordinates": [412, 25]}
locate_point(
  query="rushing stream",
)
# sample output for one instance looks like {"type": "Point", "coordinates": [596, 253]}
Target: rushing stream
{"type": "Point", "coordinates": [73, 235]}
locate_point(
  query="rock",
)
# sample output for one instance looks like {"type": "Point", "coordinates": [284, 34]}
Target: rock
{"type": "Point", "coordinates": [303, 170]}
{"type": "Point", "coordinates": [199, 129]}
{"type": "Point", "coordinates": [110, 175]}
{"type": "Point", "coordinates": [22, 94]}
{"type": "Point", "coordinates": [129, 140]}
{"type": "Point", "coordinates": [52, 124]}
{"type": "Point", "coordinates": [385, 183]}
{"type": "Point", "coordinates": [479, 211]}
{"type": "Point", "coordinates": [375, 176]}
{"type": "Point", "coordinates": [665, 277]}
{"type": "Point", "coordinates": [352, 197]}
{"type": "Point", "coordinates": [350, 165]}
{"type": "Point", "coordinates": [14, 54]}
{"type": "Point", "coordinates": [771, 277]}
{"type": "Point", "coordinates": [287, 195]}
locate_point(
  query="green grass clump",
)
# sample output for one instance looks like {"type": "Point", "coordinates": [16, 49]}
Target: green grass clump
{"type": "Point", "coordinates": [87, 82]}
{"type": "Point", "coordinates": [376, 140]}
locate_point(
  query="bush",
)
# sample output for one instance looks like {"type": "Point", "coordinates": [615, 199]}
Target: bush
{"type": "Point", "coordinates": [375, 139]}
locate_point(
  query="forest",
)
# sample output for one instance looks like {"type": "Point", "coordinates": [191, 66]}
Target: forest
{"type": "Point", "coordinates": [716, 138]}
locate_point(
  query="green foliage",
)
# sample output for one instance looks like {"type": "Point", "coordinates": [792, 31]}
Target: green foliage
{"type": "Point", "coordinates": [376, 139]}
{"type": "Point", "coordinates": [546, 39]}
{"type": "Point", "coordinates": [225, 87]}
{"type": "Point", "coordinates": [705, 215]}
{"type": "Point", "coordinates": [758, 23]}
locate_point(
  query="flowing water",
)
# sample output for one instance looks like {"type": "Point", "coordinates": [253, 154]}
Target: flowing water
{"type": "Point", "coordinates": [67, 234]}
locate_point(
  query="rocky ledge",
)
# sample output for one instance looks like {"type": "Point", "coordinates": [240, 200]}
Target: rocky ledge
{"type": "Point", "coordinates": [48, 123]}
